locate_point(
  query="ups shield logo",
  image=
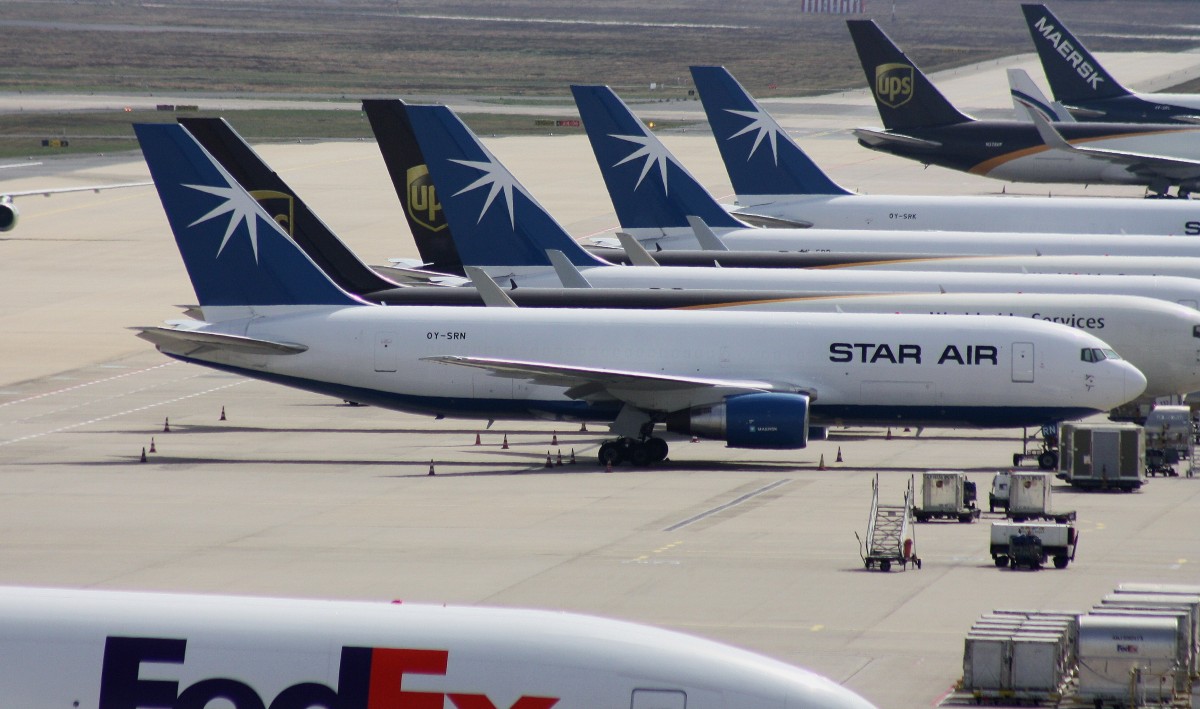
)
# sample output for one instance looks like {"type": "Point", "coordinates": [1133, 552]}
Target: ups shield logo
{"type": "Point", "coordinates": [423, 205]}
{"type": "Point", "coordinates": [280, 205]}
{"type": "Point", "coordinates": [894, 84]}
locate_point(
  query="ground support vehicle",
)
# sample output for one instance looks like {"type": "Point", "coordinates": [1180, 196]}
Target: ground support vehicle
{"type": "Point", "coordinates": [998, 495]}
{"type": "Point", "coordinates": [946, 495]}
{"type": "Point", "coordinates": [890, 538]}
{"type": "Point", "coordinates": [1016, 544]}
{"type": "Point", "coordinates": [1046, 455]}
{"type": "Point", "coordinates": [1170, 440]}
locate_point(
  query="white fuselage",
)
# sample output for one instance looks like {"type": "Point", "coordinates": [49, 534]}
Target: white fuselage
{"type": "Point", "coordinates": [1177, 266]}
{"type": "Point", "coordinates": [1161, 339]}
{"type": "Point", "coordinates": [867, 368]}
{"type": "Point", "coordinates": [118, 650]}
{"type": "Point", "coordinates": [1068, 215]}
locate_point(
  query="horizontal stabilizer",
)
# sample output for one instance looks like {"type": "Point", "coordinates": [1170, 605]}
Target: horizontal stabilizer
{"type": "Point", "coordinates": [184, 341]}
{"type": "Point", "coordinates": [65, 190]}
{"type": "Point", "coordinates": [872, 136]}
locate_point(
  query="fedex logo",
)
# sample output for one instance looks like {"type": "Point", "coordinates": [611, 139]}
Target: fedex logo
{"type": "Point", "coordinates": [369, 678]}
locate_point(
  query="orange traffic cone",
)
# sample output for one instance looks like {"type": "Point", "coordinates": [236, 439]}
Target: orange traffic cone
{"type": "Point", "coordinates": [889, 433]}
{"type": "Point", "coordinates": [166, 425]}
{"type": "Point", "coordinates": [583, 427]}
{"type": "Point", "coordinates": [548, 463]}
{"type": "Point", "coordinates": [839, 457]}
{"type": "Point", "coordinates": [152, 448]}
{"type": "Point", "coordinates": [695, 439]}
{"type": "Point", "coordinates": [559, 461]}
{"type": "Point", "coordinates": [222, 414]}
{"type": "Point", "coordinates": [504, 446]}
{"type": "Point", "coordinates": [554, 439]}
{"type": "Point", "coordinates": [431, 467]}
{"type": "Point", "coordinates": [477, 441]}
{"type": "Point", "coordinates": [572, 456]}
{"type": "Point", "coordinates": [821, 465]}
{"type": "Point", "coordinates": [608, 467]}
{"type": "Point", "coordinates": [143, 454]}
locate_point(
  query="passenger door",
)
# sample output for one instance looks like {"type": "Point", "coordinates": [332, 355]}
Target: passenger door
{"type": "Point", "coordinates": [1022, 362]}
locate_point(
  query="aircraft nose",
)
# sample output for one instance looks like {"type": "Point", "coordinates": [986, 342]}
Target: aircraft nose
{"type": "Point", "coordinates": [1135, 381]}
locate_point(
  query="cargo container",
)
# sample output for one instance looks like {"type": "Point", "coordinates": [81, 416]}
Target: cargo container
{"type": "Point", "coordinates": [946, 495]}
{"type": "Point", "coordinates": [1129, 660]}
{"type": "Point", "coordinates": [1029, 498]}
{"type": "Point", "coordinates": [1102, 455]}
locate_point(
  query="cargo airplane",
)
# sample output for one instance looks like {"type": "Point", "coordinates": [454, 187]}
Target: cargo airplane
{"type": "Point", "coordinates": [1161, 339]}
{"type": "Point", "coordinates": [1087, 90]}
{"type": "Point", "coordinates": [121, 650]}
{"type": "Point", "coordinates": [920, 124]}
{"type": "Point", "coordinates": [751, 379]}
{"type": "Point", "coordinates": [773, 177]}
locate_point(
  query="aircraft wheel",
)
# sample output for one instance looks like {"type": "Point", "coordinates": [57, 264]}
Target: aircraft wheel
{"type": "Point", "coordinates": [611, 453]}
{"type": "Point", "coordinates": [640, 454]}
{"type": "Point", "coordinates": [658, 449]}
{"type": "Point", "coordinates": [1060, 561]}
{"type": "Point", "coordinates": [1048, 460]}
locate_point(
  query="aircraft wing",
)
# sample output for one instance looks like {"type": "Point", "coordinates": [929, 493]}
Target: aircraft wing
{"type": "Point", "coordinates": [644, 390]}
{"type": "Point", "coordinates": [1137, 163]}
{"type": "Point", "coordinates": [185, 341]}
{"type": "Point", "coordinates": [874, 136]}
{"type": "Point", "coordinates": [407, 275]}
{"type": "Point", "coordinates": [63, 190]}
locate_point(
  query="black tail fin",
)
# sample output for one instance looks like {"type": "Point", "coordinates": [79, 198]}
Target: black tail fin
{"type": "Point", "coordinates": [410, 177]}
{"type": "Point", "coordinates": [903, 94]}
{"type": "Point", "coordinates": [1073, 73]}
{"type": "Point", "coordinates": [289, 211]}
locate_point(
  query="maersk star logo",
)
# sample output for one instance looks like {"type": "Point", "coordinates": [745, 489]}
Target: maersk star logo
{"type": "Point", "coordinates": [499, 179]}
{"type": "Point", "coordinates": [651, 150]}
{"type": "Point", "coordinates": [766, 126]}
{"type": "Point", "coordinates": [240, 207]}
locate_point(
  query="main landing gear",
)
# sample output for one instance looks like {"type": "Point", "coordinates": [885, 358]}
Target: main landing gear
{"type": "Point", "coordinates": [646, 451]}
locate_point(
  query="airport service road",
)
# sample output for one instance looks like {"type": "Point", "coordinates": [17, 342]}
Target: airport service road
{"type": "Point", "coordinates": [295, 494]}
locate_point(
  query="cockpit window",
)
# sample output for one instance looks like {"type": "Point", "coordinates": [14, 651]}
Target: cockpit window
{"type": "Point", "coordinates": [1195, 330]}
{"type": "Point", "coordinates": [1086, 355]}
{"type": "Point", "coordinates": [1095, 354]}
{"type": "Point", "coordinates": [1111, 354]}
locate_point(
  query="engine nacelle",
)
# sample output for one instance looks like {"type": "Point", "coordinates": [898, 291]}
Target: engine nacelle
{"type": "Point", "coordinates": [763, 420]}
{"type": "Point", "coordinates": [8, 214]}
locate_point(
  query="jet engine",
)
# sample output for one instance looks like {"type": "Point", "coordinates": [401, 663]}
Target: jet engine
{"type": "Point", "coordinates": [8, 214]}
{"type": "Point", "coordinates": [760, 420]}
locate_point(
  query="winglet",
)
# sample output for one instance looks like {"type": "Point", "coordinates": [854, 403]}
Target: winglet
{"type": "Point", "coordinates": [235, 253]}
{"type": "Point", "coordinates": [638, 255]}
{"type": "Point", "coordinates": [709, 241]}
{"type": "Point", "coordinates": [649, 188]}
{"type": "Point", "coordinates": [1073, 73]}
{"type": "Point", "coordinates": [493, 219]}
{"type": "Point", "coordinates": [1049, 134]}
{"type": "Point", "coordinates": [1028, 98]}
{"type": "Point", "coordinates": [759, 155]}
{"type": "Point", "coordinates": [903, 94]}
{"type": "Point", "coordinates": [570, 276]}
{"type": "Point", "coordinates": [493, 295]}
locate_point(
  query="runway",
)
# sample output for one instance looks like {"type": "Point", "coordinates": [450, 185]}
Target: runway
{"type": "Point", "coordinates": [297, 495]}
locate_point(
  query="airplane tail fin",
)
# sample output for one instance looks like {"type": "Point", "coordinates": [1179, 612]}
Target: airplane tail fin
{"type": "Point", "coordinates": [493, 218]}
{"type": "Point", "coordinates": [414, 187]}
{"type": "Point", "coordinates": [904, 95]}
{"type": "Point", "coordinates": [759, 155]}
{"type": "Point", "coordinates": [1027, 98]}
{"type": "Point", "coordinates": [1073, 73]}
{"type": "Point", "coordinates": [235, 253]}
{"type": "Point", "coordinates": [279, 200]}
{"type": "Point", "coordinates": [648, 186]}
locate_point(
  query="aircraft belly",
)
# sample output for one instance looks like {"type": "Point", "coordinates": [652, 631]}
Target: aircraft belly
{"type": "Point", "coordinates": [1054, 166]}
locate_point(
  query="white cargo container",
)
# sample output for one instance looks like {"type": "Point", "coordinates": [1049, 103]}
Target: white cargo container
{"type": "Point", "coordinates": [1037, 661]}
{"type": "Point", "coordinates": [1029, 497]}
{"type": "Point", "coordinates": [946, 494]}
{"type": "Point", "coordinates": [986, 662]}
{"type": "Point", "coordinates": [1128, 660]}
{"type": "Point", "coordinates": [1102, 455]}
{"type": "Point", "coordinates": [1054, 541]}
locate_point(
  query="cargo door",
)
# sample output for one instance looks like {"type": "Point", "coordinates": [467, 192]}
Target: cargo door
{"type": "Point", "coordinates": [385, 352]}
{"type": "Point", "coordinates": [1106, 454]}
{"type": "Point", "coordinates": [1081, 454]}
{"type": "Point", "coordinates": [1022, 362]}
{"type": "Point", "coordinates": [658, 699]}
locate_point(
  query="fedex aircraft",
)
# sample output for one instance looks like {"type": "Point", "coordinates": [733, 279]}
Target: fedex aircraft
{"type": "Point", "coordinates": [746, 378]}
{"type": "Point", "coordinates": [1161, 339]}
{"type": "Point", "coordinates": [498, 226]}
{"type": "Point", "coordinates": [773, 177]}
{"type": "Point", "coordinates": [920, 124]}
{"type": "Point", "coordinates": [1090, 93]}
{"type": "Point", "coordinates": [126, 650]}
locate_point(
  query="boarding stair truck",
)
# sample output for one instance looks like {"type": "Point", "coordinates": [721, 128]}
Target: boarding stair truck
{"type": "Point", "coordinates": [1105, 456]}
{"type": "Point", "coordinates": [1017, 544]}
{"type": "Point", "coordinates": [1170, 440]}
{"type": "Point", "coordinates": [1130, 661]}
{"type": "Point", "coordinates": [890, 538]}
{"type": "Point", "coordinates": [946, 495]}
{"type": "Point", "coordinates": [1029, 498]}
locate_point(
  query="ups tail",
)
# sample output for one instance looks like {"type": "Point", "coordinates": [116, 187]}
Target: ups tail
{"type": "Point", "coordinates": [648, 186]}
{"type": "Point", "coordinates": [414, 187]}
{"type": "Point", "coordinates": [903, 94]}
{"type": "Point", "coordinates": [235, 252]}
{"type": "Point", "coordinates": [290, 212]}
{"type": "Point", "coordinates": [1073, 73]}
{"type": "Point", "coordinates": [493, 218]}
{"type": "Point", "coordinates": [759, 155]}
